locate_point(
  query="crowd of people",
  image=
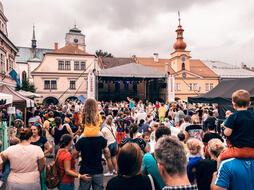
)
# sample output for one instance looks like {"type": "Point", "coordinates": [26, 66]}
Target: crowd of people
{"type": "Point", "coordinates": [148, 146]}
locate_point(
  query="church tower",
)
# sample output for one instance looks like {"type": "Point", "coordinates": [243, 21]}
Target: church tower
{"type": "Point", "coordinates": [33, 40]}
{"type": "Point", "coordinates": [180, 58]}
{"type": "Point", "coordinates": [76, 37]}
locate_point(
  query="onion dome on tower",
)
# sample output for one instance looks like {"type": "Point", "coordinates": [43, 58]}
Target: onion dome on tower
{"type": "Point", "coordinates": [180, 45]}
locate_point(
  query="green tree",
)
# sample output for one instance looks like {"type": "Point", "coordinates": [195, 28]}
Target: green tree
{"type": "Point", "coordinates": [100, 53]}
{"type": "Point", "coordinates": [26, 86]}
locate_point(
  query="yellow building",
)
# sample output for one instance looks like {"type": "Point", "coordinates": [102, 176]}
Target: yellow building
{"type": "Point", "coordinates": [192, 76]}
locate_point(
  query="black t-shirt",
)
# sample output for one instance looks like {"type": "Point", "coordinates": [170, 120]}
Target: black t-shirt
{"type": "Point", "coordinates": [91, 153]}
{"type": "Point", "coordinates": [138, 182]}
{"type": "Point", "coordinates": [40, 142]}
{"type": "Point", "coordinates": [141, 143]}
{"type": "Point", "coordinates": [211, 135]}
{"type": "Point", "coordinates": [59, 133]}
{"type": "Point", "coordinates": [242, 124]}
{"type": "Point", "coordinates": [204, 170]}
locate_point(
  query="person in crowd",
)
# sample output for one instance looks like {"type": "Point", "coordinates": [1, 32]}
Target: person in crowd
{"type": "Point", "coordinates": [142, 127]}
{"type": "Point", "coordinates": [181, 116]}
{"type": "Point", "coordinates": [67, 165]}
{"type": "Point", "coordinates": [48, 125]}
{"type": "Point", "coordinates": [181, 138]}
{"type": "Point", "coordinates": [210, 135]}
{"type": "Point", "coordinates": [59, 131]}
{"type": "Point", "coordinates": [227, 114]}
{"type": "Point", "coordinates": [234, 174]}
{"type": "Point", "coordinates": [135, 139]}
{"type": "Point", "coordinates": [129, 162]}
{"type": "Point", "coordinates": [204, 169]}
{"type": "Point", "coordinates": [149, 162]}
{"type": "Point", "coordinates": [172, 162]}
{"type": "Point", "coordinates": [194, 131]}
{"type": "Point", "coordinates": [39, 139]}
{"type": "Point", "coordinates": [109, 133]}
{"type": "Point", "coordinates": [239, 128]}
{"type": "Point", "coordinates": [211, 120]}
{"type": "Point", "coordinates": [162, 112]}
{"type": "Point", "coordinates": [91, 119]}
{"type": "Point", "coordinates": [186, 123]}
{"type": "Point", "coordinates": [26, 175]}
{"type": "Point", "coordinates": [35, 118]}
{"type": "Point", "coordinates": [121, 128]}
{"type": "Point", "coordinates": [91, 149]}
{"type": "Point", "coordinates": [194, 156]}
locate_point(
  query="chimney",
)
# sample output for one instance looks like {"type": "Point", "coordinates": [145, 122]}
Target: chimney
{"type": "Point", "coordinates": [76, 46]}
{"type": "Point", "coordinates": [56, 46]}
{"type": "Point", "coordinates": [156, 57]}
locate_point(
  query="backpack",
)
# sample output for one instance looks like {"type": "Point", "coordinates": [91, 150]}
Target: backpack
{"type": "Point", "coordinates": [52, 176]}
{"type": "Point", "coordinates": [52, 124]}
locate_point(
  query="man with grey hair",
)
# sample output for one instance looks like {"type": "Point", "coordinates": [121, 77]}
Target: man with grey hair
{"type": "Point", "coordinates": [172, 162]}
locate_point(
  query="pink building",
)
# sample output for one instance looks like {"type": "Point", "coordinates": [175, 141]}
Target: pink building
{"type": "Point", "coordinates": [8, 52]}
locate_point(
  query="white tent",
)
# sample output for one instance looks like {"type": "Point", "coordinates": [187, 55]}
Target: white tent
{"type": "Point", "coordinates": [29, 94]}
{"type": "Point", "coordinates": [7, 98]}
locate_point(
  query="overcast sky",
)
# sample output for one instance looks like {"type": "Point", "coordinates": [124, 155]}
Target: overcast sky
{"type": "Point", "coordinates": [214, 29]}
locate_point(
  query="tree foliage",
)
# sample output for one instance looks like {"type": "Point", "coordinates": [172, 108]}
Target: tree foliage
{"type": "Point", "coordinates": [26, 86]}
{"type": "Point", "coordinates": [100, 53]}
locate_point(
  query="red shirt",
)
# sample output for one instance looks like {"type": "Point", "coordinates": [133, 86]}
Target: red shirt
{"type": "Point", "coordinates": [65, 156]}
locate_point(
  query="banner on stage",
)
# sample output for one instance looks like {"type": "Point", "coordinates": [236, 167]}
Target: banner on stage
{"type": "Point", "coordinates": [171, 88]}
{"type": "Point", "coordinates": [91, 85]}
{"type": "Point", "coordinates": [11, 110]}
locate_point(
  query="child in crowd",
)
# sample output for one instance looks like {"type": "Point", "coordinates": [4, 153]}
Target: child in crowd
{"type": "Point", "coordinates": [146, 138]}
{"type": "Point", "coordinates": [239, 128]}
{"type": "Point", "coordinates": [181, 138]}
{"type": "Point", "coordinates": [91, 119]}
{"type": "Point", "coordinates": [194, 155]}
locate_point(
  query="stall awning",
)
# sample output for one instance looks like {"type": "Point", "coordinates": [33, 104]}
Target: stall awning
{"type": "Point", "coordinates": [6, 98]}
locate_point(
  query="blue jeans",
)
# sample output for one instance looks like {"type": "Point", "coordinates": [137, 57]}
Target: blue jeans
{"type": "Point", "coordinates": [65, 186]}
{"type": "Point", "coordinates": [96, 183]}
{"type": "Point", "coordinates": [6, 171]}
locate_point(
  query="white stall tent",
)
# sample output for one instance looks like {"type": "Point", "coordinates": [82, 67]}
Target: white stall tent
{"type": "Point", "coordinates": [6, 97]}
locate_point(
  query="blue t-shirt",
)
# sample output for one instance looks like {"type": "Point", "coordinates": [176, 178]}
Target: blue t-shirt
{"type": "Point", "coordinates": [236, 174]}
{"type": "Point", "coordinates": [242, 124]}
{"type": "Point", "coordinates": [131, 105]}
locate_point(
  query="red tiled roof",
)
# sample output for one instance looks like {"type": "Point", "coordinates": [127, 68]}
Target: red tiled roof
{"type": "Point", "coordinates": [109, 62]}
{"type": "Point", "coordinates": [199, 68]}
{"type": "Point", "coordinates": [160, 65]}
{"type": "Point", "coordinates": [70, 50]}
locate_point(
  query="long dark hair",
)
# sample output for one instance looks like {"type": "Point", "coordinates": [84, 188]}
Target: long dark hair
{"type": "Point", "coordinates": [133, 129]}
{"type": "Point", "coordinates": [65, 140]}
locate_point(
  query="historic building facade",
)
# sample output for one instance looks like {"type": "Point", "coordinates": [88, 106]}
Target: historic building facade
{"type": "Point", "coordinates": [192, 76]}
{"type": "Point", "coordinates": [29, 58]}
{"type": "Point", "coordinates": [8, 52]}
{"type": "Point", "coordinates": [63, 74]}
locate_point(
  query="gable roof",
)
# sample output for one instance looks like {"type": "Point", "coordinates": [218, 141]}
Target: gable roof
{"type": "Point", "coordinates": [160, 65]}
{"type": "Point", "coordinates": [109, 62]}
{"type": "Point", "coordinates": [26, 54]}
{"type": "Point", "coordinates": [70, 50]}
{"type": "Point", "coordinates": [225, 70]}
{"type": "Point", "coordinates": [199, 68]}
{"type": "Point", "coordinates": [132, 70]}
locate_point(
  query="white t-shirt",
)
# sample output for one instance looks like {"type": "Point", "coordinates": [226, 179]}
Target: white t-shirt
{"type": "Point", "coordinates": [24, 163]}
{"type": "Point", "coordinates": [107, 130]}
{"type": "Point", "coordinates": [174, 131]}
{"type": "Point", "coordinates": [183, 126]}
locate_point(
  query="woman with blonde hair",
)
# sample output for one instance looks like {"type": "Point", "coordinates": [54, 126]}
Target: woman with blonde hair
{"type": "Point", "coordinates": [204, 169]}
{"type": "Point", "coordinates": [91, 119]}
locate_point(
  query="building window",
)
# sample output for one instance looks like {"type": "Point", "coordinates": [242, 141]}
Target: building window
{"type": "Point", "coordinates": [53, 84]}
{"type": "Point", "coordinates": [211, 86]}
{"type": "Point", "coordinates": [72, 84]}
{"type": "Point", "coordinates": [207, 86]}
{"type": "Point", "coordinates": [183, 66]}
{"type": "Point", "coordinates": [195, 86]}
{"type": "Point", "coordinates": [190, 87]}
{"type": "Point", "coordinates": [76, 65]}
{"type": "Point", "coordinates": [24, 76]}
{"type": "Point", "coordinates": [60, 65]}
{"type": "Point", "coordinates": [67, 65]}
{"type": "Point", "coordinates": [2, 63]}
{"type": "Point", "coordinates": [83, 66]}
{"type": "Point", "coordinates": [178, 87]}
{"type": "Point", "coordinates": [47, 84]}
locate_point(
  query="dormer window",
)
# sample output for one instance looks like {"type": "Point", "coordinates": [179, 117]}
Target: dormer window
{"type": "Point", "coordinates": [75, 40]}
